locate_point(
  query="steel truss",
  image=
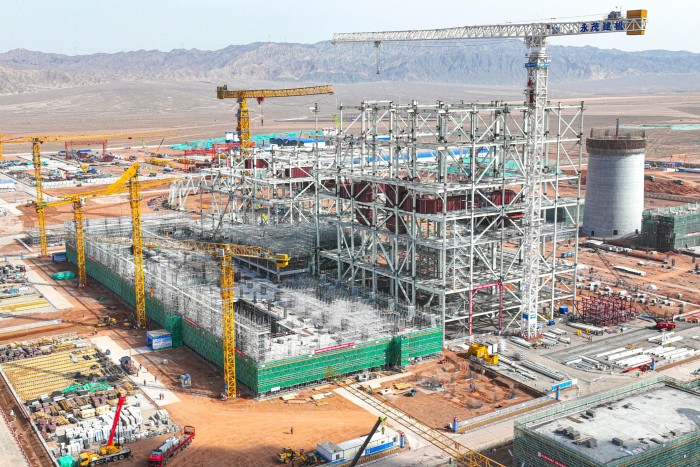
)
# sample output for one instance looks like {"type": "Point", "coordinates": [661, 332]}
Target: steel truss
{"type": "Point", "coordinates": [421, 219]}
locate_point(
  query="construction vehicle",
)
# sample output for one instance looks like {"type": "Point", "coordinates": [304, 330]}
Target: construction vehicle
{"type": "Point", "coordinates": [411, 392]}
{"type": "Point", "coordinates": [537, 67]}
{"type": "Point", "coordinates": [110, 452]}
{"type": "Point", "coordinates": [243, 123]}
{"type": "Point", "coordinates": [106, 321]}
{"type": "Point", "coordinates": [172, 446]}
{"type": "Point", "coordinates": [664, 323]}
{"type": "Point", "coordinates": [288, 455]}
{"type": "Point", "coordinates": [127, 365]}
{"type": "Point", "coordinates": [481, 352]}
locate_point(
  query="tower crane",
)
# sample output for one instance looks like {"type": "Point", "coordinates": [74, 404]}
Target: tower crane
{"type": "Point", "coordinates": [243, 123]}
{"type": "Point", "coordinates": [224, 253]}
{"type": "Point", "coordinates": [87, 139]}
{"type": "Point", "coordinates": [537, 66]}
{"type": "Point", "coordinates": [36, 161]}
{"type": "Point", "coordinates": [78, 201]}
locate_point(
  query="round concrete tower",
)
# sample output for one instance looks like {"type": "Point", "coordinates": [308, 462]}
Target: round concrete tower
{"type": "Point", "coordinates": [614, 183]}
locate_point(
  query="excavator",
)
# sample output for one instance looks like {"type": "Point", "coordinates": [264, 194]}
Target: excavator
{"type": "Point", "coordinates": [110, 452]}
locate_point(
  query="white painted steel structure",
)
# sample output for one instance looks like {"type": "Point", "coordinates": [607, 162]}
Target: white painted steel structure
{"type": "Point", "coordinates": [537, 66]}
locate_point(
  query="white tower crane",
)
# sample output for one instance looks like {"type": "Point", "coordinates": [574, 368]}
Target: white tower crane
{"type": "Point", "coordinates": [537, 66]}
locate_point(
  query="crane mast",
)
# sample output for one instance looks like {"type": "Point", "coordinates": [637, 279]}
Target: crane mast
{"type": "Point", "coordinates": [537, 66]}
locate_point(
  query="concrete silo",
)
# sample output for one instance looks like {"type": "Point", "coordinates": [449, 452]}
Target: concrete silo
{"type": "Point", "coordinates": [614, 183]}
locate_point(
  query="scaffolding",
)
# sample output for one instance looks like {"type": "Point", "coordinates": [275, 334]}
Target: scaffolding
{"type": "Point", "coordinates": [671, 228]}
{"type": "Point", "coordinates": [428, 204]}
{"type": "Point", "coordinates": [296, 319]}
{"type": "Point", "coordinates": [605, 311]}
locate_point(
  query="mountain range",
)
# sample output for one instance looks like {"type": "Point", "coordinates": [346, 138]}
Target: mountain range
{"type": "Point", "coordinates": [471, 62]}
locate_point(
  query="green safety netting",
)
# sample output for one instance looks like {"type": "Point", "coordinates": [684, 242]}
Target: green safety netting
{"type": "Point", "coordinates": [90, 387]}
{"type": "Point", "coordinates": [208, 143]}
{"type": "Point", "coordinates": [61, 276]}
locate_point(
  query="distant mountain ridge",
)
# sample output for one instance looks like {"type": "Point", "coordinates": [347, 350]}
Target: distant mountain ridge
{"type": "Point", "coordinates": [475, 62]}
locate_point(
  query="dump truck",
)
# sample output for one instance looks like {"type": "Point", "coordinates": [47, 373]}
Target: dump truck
{"type": "Point", "coordinates": [171, 447]}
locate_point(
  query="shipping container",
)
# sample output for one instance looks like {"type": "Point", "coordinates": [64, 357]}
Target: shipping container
{"type": "Point", "coordinates": [59, 257]}
{"type": "Point", "coordinates": [381, 441]}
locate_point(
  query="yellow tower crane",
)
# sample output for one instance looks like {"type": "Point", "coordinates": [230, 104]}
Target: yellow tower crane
{"type": "Point", "coordinates": [36, 161]}
{"type": "Point", "coordinates": [78, 200]}
{"type": "Point", "coordinates": [224, 253]}
{"type": "Point", "coordinates": [243, 123]}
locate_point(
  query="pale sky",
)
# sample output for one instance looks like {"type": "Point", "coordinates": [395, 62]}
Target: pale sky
{"type": "Point", "coordinates": [84, 27]}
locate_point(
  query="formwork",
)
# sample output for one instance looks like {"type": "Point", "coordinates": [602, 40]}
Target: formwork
{"type": "Point", "coordinates": [671, 228]}
{"type": "Point", "coordinates": [263, 378]}
{"type": "Point", "coordinates": [536, 449]}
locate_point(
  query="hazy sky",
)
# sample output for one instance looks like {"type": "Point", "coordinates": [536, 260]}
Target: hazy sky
{"type": "Point", "coordinates": [83, 27]}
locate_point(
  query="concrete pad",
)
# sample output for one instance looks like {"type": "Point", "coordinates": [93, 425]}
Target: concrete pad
{"type": "Point", "coordinates": [47, 290]}
{"type": "Point", "coordinates": [152, 388]}
{"type": "Point", "coordinates": [10, 452]}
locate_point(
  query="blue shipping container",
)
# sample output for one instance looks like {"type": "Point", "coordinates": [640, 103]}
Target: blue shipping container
{"type": "Point", "coordinates": [160, 339]}
{"type": "Point", "coordinates": [59, 257]}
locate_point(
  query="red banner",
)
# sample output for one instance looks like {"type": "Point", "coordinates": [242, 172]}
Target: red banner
{"type": "Point", "coordinates": [550, 460]}
{"type": "Point", "coordinates": [334, 347]}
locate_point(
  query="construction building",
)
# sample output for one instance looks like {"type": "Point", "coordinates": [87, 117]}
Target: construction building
{"type": "Point", "coordinates": [671, 228]}
{"type": "Point", "coordinates": [429, 209]}
{"type": "Point", "coordinates": [396, 205]}
{"type": "Point", "coordinates": [651, 423]}
{"type": "Point", "coordinates": [615, 172]}
{"type": "Point", "coordinates": [288, 334]}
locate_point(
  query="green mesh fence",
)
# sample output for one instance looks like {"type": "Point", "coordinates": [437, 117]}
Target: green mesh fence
{"type": "Point", "coordinates": [534, 449]}
{"type": "Point", "coordinates": [262, 378]}
{"type": "Point", "coordinates": [671, 228]}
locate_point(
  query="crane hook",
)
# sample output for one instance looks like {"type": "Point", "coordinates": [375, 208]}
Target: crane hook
{"type": "Point", "coordinates": [377, 44]}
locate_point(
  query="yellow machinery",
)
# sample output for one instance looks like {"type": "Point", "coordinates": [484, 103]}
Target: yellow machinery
{"type": "Point", "coordinates": [481, 352]}
{"type": "Point", "coordinates": [78, 200]}
{"type": "Point", "coordinates": [243, 123]}
{"type": "Point", "coordinates": [36, 161]}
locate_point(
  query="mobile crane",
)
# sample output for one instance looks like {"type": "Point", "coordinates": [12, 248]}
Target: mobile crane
{"type": "Point", "coordinates": [537, 66]}
{"type": "Point", "coordinates": [243, 121]}
{"type": "Point", "coordinates": [110, 452]}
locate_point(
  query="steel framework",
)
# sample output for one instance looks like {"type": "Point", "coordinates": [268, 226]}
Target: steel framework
{"type": "Point", "coordinates": [428, 203]}
{"type": "Point", "coordinates": [605, 311]}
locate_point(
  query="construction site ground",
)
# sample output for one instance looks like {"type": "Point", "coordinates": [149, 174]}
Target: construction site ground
{"type": "Point", "coordinates": [249, 432]}
{"type": "Point", "coordinates": [454, 388]}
